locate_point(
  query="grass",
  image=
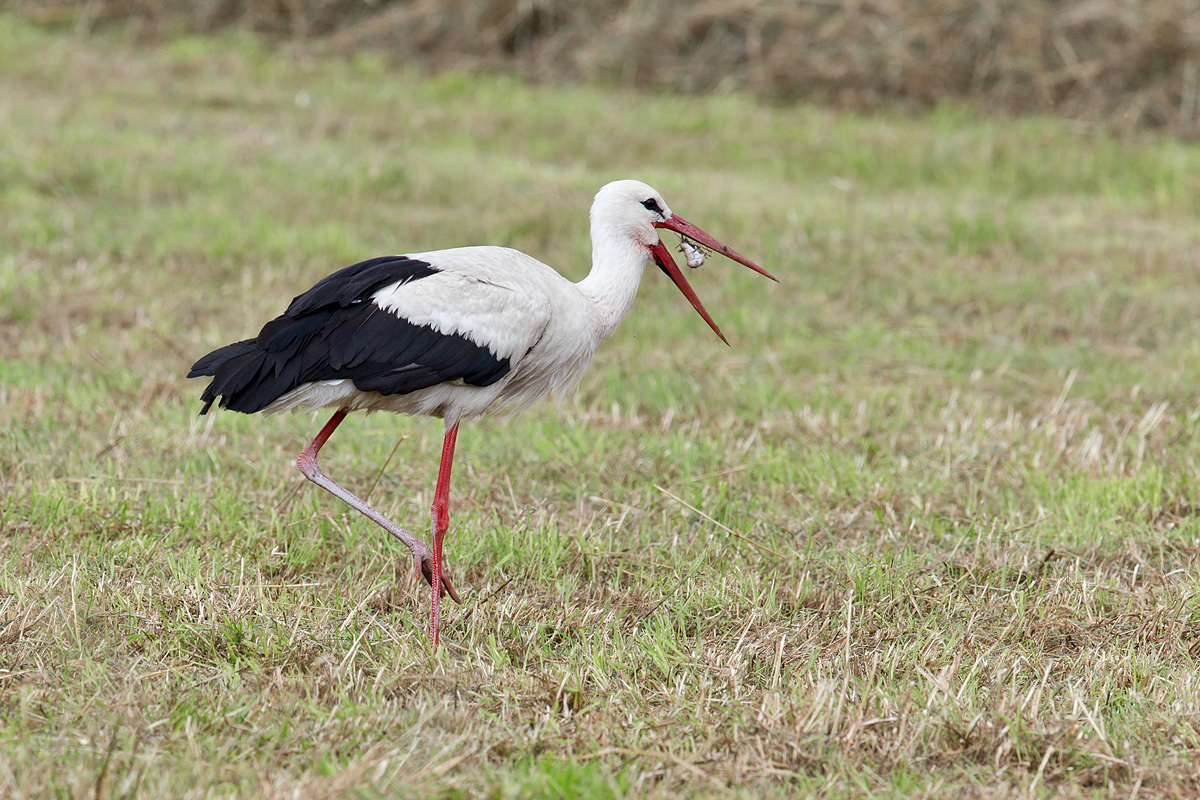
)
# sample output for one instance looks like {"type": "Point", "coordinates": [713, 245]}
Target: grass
{"type": "Point", "coordinates": [928, 528]}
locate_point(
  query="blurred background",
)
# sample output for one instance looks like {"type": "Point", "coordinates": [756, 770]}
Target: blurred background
{"type": "Point", "coordinates": [1112, 63]}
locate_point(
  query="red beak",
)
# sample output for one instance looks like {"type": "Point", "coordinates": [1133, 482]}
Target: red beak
{"type": "Point", "coordinates": [666, 262]}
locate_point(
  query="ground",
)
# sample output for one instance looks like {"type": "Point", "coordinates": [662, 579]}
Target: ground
{"type": "Point", "coordinates": [928, 528]}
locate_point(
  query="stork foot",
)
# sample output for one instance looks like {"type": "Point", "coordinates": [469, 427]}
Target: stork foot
{"type": "Point", "coordinates": [423, 569]}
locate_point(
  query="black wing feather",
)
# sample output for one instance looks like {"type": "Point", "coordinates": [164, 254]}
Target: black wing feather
{"type": "Point", "coordinates": [357, 282]}
{"type": "Point", "coordinates": [207, 364]}
{"type": "Point", "coordinates": [334, 331]}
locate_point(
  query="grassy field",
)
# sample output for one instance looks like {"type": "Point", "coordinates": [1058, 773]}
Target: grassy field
{"type": "Point", "coordinates": [929, 528]}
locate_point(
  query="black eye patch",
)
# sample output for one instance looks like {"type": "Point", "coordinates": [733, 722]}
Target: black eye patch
{"type": "Point", "coordinates": [652, 205]}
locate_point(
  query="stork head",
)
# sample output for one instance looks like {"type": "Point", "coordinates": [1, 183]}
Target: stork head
{"type": "Point", "coordinates": [634, 209]}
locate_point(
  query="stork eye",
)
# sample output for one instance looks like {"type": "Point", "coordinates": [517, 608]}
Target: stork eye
{"type": "Point", "coordinates": [652, 205]}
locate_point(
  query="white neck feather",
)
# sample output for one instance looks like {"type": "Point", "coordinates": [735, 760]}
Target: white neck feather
{"type": "Point", "coordinates": [617, 266]}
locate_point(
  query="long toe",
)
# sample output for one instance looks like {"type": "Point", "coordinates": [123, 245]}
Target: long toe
{"type": "Point", "coordinates": [448, 588]}
{"type": "Point", "coordinates": [424, 568]}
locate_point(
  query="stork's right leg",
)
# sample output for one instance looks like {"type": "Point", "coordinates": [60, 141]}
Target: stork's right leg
{"type": "Point", "coordinates": [441, 523]}
{"type": "Point", "coordinates": [423, 557]}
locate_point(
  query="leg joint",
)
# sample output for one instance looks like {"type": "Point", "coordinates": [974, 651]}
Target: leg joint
{"type": "Point", "coordinates": [307, 462]}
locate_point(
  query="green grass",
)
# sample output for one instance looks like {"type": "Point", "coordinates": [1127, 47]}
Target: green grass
{"type": "Point", "coordinates": [956, 446]}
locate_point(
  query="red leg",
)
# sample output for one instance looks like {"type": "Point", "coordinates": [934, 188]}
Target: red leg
{"type": "Point", "coordinates": [423, 560]}
{"type": "Point", "coordinates": [441, 522]}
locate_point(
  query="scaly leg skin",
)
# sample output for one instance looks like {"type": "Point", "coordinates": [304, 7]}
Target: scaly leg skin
{"type": "Point", "coordinates": [423, 558]}
{"type": "Point", "coordinates": [441, 522]}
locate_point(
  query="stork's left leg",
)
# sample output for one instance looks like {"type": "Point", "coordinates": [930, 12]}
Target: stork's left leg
{"type": "Point", "coordinates": [441, 522]}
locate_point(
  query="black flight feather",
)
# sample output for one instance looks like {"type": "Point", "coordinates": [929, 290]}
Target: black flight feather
{"type": "Point", "coordinates": [333, 331]}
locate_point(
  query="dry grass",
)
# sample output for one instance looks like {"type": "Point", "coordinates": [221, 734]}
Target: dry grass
{"type": "Point", "coordinates": [1115, 63]}
{"type": "Point", "coordinates": [961, 437]}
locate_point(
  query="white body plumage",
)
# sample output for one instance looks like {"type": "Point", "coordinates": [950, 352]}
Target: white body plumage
{"type": "Point", "coordinates": [519, 308]}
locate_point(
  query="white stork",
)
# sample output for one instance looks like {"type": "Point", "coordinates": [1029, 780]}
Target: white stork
{"type": "Point", "coordinates": [449, 333]}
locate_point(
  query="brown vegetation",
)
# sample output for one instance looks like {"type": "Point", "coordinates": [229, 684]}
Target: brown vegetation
{"type": "Point", "coordinates": [1120, 63]}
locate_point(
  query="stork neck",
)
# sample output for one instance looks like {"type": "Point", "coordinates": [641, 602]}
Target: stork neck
{"type": "Point", "coordinates": [611, 286]}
